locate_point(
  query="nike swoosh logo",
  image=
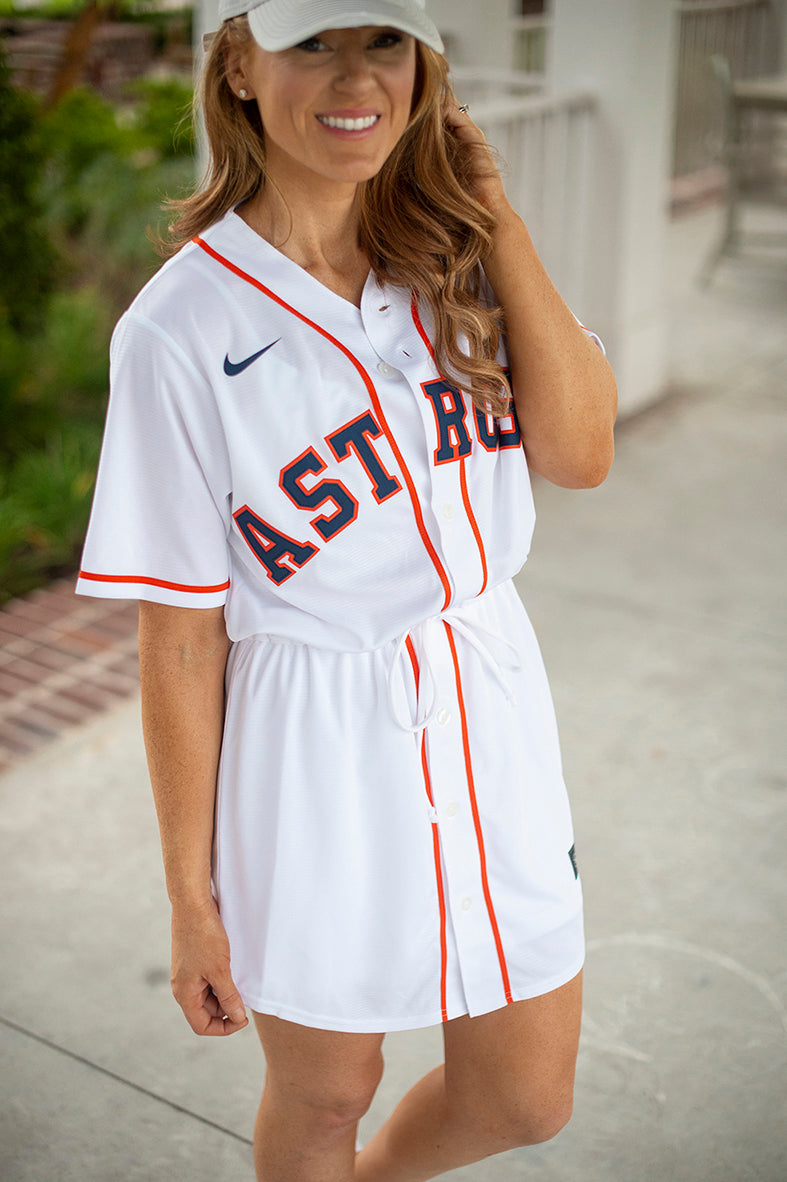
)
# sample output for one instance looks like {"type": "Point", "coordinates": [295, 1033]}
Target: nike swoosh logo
{"type": "Point", "coordinates": [232, 369]}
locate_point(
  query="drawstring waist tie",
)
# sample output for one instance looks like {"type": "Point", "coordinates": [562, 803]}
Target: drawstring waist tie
{"type": "Point", "coordinates": [497, 654]}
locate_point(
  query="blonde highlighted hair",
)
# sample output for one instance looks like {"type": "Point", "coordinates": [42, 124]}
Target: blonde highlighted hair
{"type": "Point", "coordinates": [420, 226]}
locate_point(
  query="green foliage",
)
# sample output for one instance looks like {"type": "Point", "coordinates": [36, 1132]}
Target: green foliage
{"type": "Point", "coordinates": [55, 9]}
{"type": "Point", "coordinates": [45, 506]}
{"type": "Point", "coordinates": [59, 373]}
{"type": "Point", "coordinates": [29, 260]}
{"type": "Point", "coordinates": [120, 204]}
{"type": "Point", "coordinates": [80, 130]}
{"type": "Point", "coordinates": [163, 116]}
{"type": "Point", "coordinates": [80, 187]}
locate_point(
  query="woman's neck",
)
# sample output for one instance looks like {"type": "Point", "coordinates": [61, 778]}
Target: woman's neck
{"type": "Point", "coordinates": [318, 232]}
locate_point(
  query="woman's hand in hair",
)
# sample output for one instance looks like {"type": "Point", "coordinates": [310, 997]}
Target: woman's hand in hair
{"type": "Point", "coordinates": [486, 184]}
{"type": "Point", "coordinates": [563, 387]}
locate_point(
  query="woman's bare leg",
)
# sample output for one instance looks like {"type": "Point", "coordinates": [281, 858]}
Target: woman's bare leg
{"type": "Point", "coordinates": [507, 1081]}
{"type": "Point", "coordinates": [318, 1084]}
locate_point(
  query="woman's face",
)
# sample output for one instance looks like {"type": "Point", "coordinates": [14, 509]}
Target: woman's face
{"type": "Point", "coordinates": [334, 106]}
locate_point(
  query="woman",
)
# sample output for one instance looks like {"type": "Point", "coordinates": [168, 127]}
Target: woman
{"type": "Point", "coordinates": [349, 732]}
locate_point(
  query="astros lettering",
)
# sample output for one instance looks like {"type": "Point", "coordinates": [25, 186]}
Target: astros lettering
{"type": "Point", "coordinates": [282, 555]}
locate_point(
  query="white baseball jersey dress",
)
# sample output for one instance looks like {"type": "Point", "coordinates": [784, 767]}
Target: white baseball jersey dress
{"type": "Point", "coordinates": [393, 844]}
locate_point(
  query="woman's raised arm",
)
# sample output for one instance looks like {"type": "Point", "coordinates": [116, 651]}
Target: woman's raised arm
{"type": "Point", "coordinates": [564, 388]}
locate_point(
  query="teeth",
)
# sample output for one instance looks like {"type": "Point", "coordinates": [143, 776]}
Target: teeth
{"type": "Point", "coordinates": [349, 124]}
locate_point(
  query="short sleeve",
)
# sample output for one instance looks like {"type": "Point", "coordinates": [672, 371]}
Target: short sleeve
{"type": "Point", "coordinates": [160, 517]}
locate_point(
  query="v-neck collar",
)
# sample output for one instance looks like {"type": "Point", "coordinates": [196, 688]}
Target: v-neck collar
{"type": "Point", "coordinates": [292, 281]}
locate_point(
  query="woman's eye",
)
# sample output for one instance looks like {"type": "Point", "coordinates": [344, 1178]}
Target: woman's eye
{"type": "Point", "coordinates": [387, 40]}
{"type": "Point", "coordinates": [310, 45]}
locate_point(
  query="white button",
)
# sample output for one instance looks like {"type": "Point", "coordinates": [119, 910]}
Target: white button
{"type": "Point", "coordinates": [467, 904]}
{"type": "Point", "coordinates": [385, 369]}
{"type": "Point", "coordinates": [448, 512]}
{"type": "Point", "coordinates": [443, 716]}
{"type": "Point", "coordinates": [452, 810]}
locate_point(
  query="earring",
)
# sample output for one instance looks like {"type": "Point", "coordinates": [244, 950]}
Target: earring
{"type": "Point", "coordinates": [243, 94]}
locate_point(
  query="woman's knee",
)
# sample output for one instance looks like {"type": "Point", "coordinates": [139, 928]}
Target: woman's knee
{"type": "Point", "coordinates": [327, 1077]}
{"type": "Point", "coordinates": [511, 1072]}
{"type": "Point", "coordinates": [343, 1104]}
{"type": "Point", "coordinates": [535, 1122]}
{"type": "Point", "coordinates": [513, 1123]}
{"type": "Point", "coordinates": [330, 1102]}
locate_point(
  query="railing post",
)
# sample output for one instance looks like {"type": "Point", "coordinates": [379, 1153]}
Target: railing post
{"type": "Point", "coordinates": [475, 31]}
{"type": "Point", "coordinates": [624, 51]}
{"type": "Point", "coordinates": [781, 13]}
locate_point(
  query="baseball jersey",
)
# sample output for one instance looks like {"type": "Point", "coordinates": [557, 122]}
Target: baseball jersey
{"type": "Point", "coordinates": [393, 842]}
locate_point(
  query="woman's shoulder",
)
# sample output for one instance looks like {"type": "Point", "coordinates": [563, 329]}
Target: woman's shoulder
{"type": "Point", "coordinates": [182, 293]}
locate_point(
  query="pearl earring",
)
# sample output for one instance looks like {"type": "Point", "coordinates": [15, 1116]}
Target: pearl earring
{"type": "Point", "coordinates": [243, 94]}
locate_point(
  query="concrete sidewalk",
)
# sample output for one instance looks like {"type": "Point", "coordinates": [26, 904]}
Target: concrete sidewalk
{"type": "Point", "coordinates": [659, 600]}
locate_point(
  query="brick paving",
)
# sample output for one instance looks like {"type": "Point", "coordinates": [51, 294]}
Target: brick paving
{"type": "Point", "coordinates": [63, 659]}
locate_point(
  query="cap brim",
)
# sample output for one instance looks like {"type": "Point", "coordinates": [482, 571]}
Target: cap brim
{"type": "Point", "coordinates": [274, 28]}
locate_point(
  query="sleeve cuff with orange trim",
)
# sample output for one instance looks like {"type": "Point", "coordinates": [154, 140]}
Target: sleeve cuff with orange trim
{"type": "Point", "coordinates": [106, 586]}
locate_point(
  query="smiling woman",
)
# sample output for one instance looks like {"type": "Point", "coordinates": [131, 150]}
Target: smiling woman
{"type": "Point", "coordinates": [315, 478]}
{"type": "Point", "coordinates": [417, 211]}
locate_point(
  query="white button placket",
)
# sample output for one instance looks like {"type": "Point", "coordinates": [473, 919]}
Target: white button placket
{"type": "Point", "coordinates": [464, 890]}
{"type": "Point", "coordinates": [453, 508]}
{"type": "Point", "coordinates": [403, 355]}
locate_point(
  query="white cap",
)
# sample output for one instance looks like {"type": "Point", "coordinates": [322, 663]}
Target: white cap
{"type": "Point", "coordinates": [280, 24]}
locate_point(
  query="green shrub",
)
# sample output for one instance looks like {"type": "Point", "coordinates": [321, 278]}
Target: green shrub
{"type": "Point", "coordinates": [72, 368]}
{"type": "Point", "coordinates": [55, 9]}
{"type": "Point", "coordinates": [28, 273]}
{"type": "Point", "coordinates": [163, 115]}
{"type": "Point", "coordinates": [106, 179]}
{"type": "Point", "coordinates": [59, 374]}
{"type": "Point", "coordinates": [45, 508]}
{"type": "Point", "coordinates": [81, 183]}
{"type": "Point", "coordinates": [13, 531]}
{"type": "Point", "coordinates": [80, 130]}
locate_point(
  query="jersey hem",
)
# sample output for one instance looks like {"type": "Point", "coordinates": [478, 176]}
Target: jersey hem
{"type": "Point", "coordinates": [413, 1022]}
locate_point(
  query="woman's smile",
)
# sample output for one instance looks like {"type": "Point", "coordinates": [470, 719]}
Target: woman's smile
{"type": "Point", "coordinates": [351, 122]}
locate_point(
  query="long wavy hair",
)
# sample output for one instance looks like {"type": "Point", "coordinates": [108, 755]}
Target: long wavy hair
{"type": "Point", "coordinates": [420, 226]}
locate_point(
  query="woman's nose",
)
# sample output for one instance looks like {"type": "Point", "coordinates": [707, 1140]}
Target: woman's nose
{"type": "Point", "coordinates": [353, 69]}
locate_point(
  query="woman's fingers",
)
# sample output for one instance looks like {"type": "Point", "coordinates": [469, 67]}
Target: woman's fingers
{"type": "Point", "coordinates": [210, 1013]}
{"type": "Point", "coordinates": [230, 1001]}
{"type": "Point", "coordinates": [457, 116]}
{"type": "Point", "coordinates": [486, 183]}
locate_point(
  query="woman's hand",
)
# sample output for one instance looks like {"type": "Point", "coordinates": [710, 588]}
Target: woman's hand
{"type": "Point", "coordinates": [201, 980]}
{"type": "Point", "coordinates": [487, 184]}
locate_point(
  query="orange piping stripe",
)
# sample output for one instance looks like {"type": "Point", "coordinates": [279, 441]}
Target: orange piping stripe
{"type": "Point", "coordinates": [477, 821]}
{"type": "Point", "coordinates": [427, 541]}
{"type": "Point", "coordinates": [441, 898]}
{"type": "Point", "coordinates": [462, 474]}
{"type": "Point", "coordinates": [85, 574]}
{"type": "Point", "coordinates": [436, 841]}
{"type": "Point", "coordinates": [421, 330]}
{"type": "Point", "coordinates": [473, 523]}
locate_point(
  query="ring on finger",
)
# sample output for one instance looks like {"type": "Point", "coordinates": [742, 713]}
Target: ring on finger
{"type": "Point", "coordinates": [464, 108]}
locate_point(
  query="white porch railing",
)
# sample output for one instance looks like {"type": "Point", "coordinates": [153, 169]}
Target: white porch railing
{"type": "Point", "coordinates": [745, 33]}
{"type": "Point", "coordinates": [546, 143]}
{"type": "Point", "coordinates": [474, 84]}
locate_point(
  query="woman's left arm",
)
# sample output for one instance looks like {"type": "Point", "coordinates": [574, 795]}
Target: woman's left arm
{"type": "Point", "coordinates": [564, 388]}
